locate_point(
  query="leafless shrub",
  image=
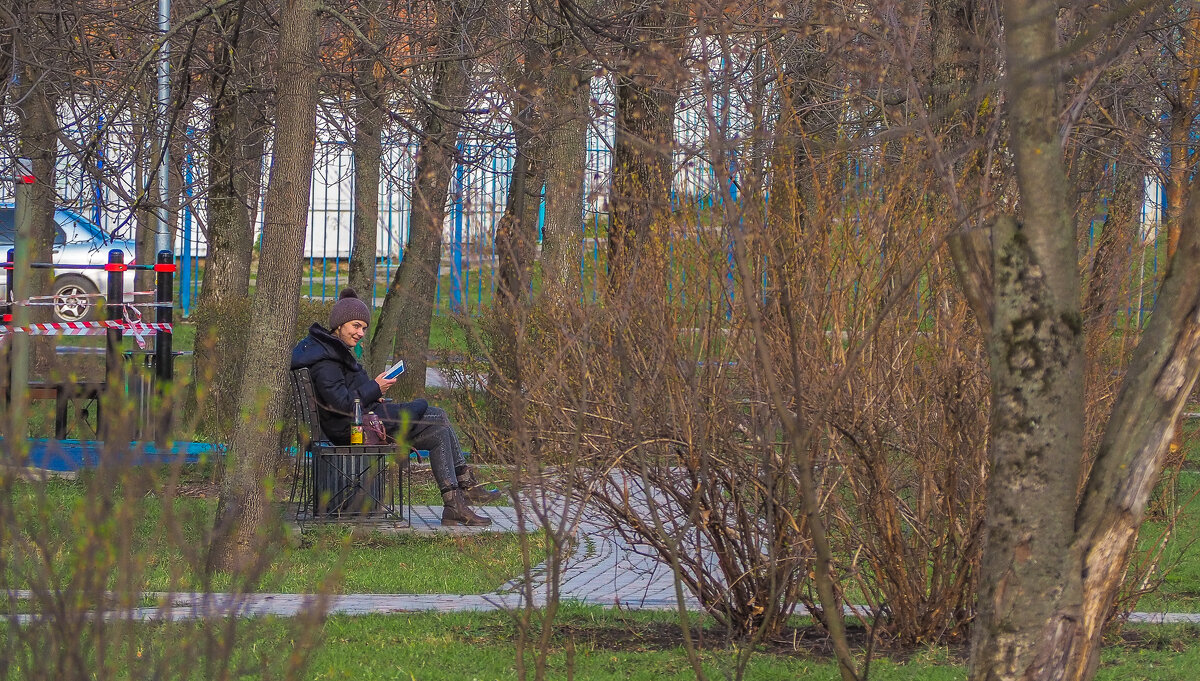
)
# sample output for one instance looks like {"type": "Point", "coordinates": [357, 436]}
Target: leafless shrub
{"type": "Point", "coordinates": [92, 571]}
{"type": "Point", "coordinates": [910, 435]}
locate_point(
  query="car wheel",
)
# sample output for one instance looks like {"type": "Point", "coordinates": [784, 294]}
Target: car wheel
{"type": "Point", "coordinates": [74, 299]}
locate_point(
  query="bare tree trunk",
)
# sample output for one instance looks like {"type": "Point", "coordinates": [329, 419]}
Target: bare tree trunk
{"type": "Point", "coordinates": [516, 237]}
{"type": "Point", "coordinates": [1029, 594]}
{"type": "Point", "coordinates": [406, 315]}
{"type": "Point", "coordinates": [647, 86]}
{"type": "Point", "coordinates": [516, 234]}
{"type": "Point", "coordinates": [1183, 115]}
{"type": "Point", "coordinates": [39, 127]}
{"type": "Point", "coordinates": [1051, 569]}
{"type": "Point", "coordinates": [243, 503]}
{"type": "Point", "coordinates": [801, 68]}
{"type": "Point", "coordinates": [222, 315]}
{"type": "Point", "coordinates": [568, 90]}
{"type": "Point", "coordinates": [1114, 248]}
{"type": "Point", "coordinates": [955, 65]}
{"type": "Point", "coordinates": [147, 183]}
{"type": "Point", "coordinates": [954, 62]}
{"type": "Point", "coordinates": [1066, 642]}
{"type": "Point", "coordinates": [800, 132]}
{"type": "Point", "coordinates": [259, 121]}
{"type": "Point", "coordinates": [38, 120]}
{"type": "Point", "coordinates": [368, 149]}
{"type": "Point", "coordinates": [1127, 467]}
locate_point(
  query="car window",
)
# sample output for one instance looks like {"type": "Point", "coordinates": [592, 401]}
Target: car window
{"type": "Point", "coordinates": [70, 229]}
{"type": "Point", "coordinates": [67, 230]}
{"type": "Point", "coordinates": [8, 230]}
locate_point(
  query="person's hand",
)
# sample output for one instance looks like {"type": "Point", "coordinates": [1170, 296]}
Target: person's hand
{"type": "Point", "coordinates": [384, 383]}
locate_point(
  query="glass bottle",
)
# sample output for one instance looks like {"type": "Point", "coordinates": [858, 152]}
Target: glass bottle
{"type": "Point", "coordinates": [356, 428]}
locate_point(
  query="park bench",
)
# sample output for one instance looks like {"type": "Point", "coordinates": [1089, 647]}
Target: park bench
{"type": "Point", "coordinates": [83, 395]}
{"type": "Point", "coordinates": [353, 483]}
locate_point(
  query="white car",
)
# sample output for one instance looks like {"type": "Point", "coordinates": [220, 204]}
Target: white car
{"type": "Point", "coordinates": [78, 241]}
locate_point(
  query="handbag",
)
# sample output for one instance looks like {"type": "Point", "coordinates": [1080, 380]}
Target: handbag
{"type": "Point", "coordinates": [373, 431]}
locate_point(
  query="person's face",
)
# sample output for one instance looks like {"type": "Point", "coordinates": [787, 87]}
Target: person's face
{"type": "Point", "coordinates": [351, 332]}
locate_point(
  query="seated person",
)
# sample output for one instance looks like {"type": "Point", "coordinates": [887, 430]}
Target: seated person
{"type": "Point", "coordinates": [338, 379]}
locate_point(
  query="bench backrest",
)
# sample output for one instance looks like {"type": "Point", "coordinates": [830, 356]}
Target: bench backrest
{"type": "Point", "coordinates": [306, 407]}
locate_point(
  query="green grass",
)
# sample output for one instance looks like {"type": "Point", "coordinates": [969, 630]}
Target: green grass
{"type": "Point", "coordinates": [164, 548]}
{"type": "Point", "coordinates": [447, 334]}
{"type": "Point", "coordinates": [606, 645]}
{"type": "Point", "coordinates": [594, 644]}
{"type": "Point", "coordinates": [379, 563]}
{"type": "Point", "coordinates": [1179, 567]}
{"type": "Point", "coordinates": [597, 644]}
{"type": "Point", "coordinates": [1169, 652]}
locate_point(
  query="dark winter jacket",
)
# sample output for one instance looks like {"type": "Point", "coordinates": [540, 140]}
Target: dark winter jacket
{"type": "Point", "coordinates": [338, 379]}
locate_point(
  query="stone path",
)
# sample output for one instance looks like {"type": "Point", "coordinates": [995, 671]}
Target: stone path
{"type": "Point", "coordinates": [604, 569]}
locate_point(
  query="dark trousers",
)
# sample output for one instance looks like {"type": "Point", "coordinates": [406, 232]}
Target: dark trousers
{"type": "Point", "coordinates": [433, 433]}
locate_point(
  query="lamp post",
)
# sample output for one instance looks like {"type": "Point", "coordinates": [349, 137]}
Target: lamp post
{"type": "Point", "coordinates": [162, 236]}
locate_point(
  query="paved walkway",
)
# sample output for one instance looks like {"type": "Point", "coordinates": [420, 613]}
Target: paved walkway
{"type": "Point", "coordinates": [604, 569]}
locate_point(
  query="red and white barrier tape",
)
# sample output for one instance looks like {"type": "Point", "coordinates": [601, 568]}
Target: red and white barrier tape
{"type": "Point", "coordinates": [83, 328]}
{"type": "Point", "coordinates": [96, 328]}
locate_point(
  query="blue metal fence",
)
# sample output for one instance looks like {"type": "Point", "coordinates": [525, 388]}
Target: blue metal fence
{"type": "Point", "coordinates": [476, 203]}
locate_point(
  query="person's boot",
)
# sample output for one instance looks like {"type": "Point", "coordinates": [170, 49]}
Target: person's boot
{"type": "Point", "coordinates": [472, 490]}
{"type": "Point", "coordinates": [456, 512]}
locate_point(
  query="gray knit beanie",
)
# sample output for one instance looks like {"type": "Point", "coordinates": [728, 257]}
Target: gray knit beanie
{"type": "Point", "coordinates": [347, 309]}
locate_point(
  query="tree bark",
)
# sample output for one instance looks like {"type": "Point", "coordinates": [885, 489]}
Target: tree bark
{"type": "Point", "coordinates": [1183, 117]}
{"type": "Point", "coordinates": [243, 503]}
{"type": "Point", "coordinates": [516, 234]}
{"type": "Point", "coordinates": [955, 65]}
{"type": "Point", "coordinates": [801, 67]}
{"type": "Point", "coordinates": [1029, 594]}
{"type": "Point", "coordinates": [1136, 441]}
{"type": "Point", "coordinates": [368, 149]}
{"type": "Point", "coordinates": [647, 82]}
{"type": "Point", "coordinates": [568, 91]}
{"type": "Point", "coordinates": [39, 143]}
{"type": "Point", "coordinates": [221, 315]}
{"type": "Point", "coordinates": [406, 316]}
{"type": "Point", "coordinates": [146, 220]}
{"type": "Point", "coordinates": [37, 116]}
{"type": "Point", "coordinates": [1051, 569]}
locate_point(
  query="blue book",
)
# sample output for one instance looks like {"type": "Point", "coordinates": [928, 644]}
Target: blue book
{"type": "Point", "coordinates": [394, 371]}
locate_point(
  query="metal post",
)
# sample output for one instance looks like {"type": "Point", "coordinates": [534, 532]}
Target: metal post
{"type": "Point", "coordinates": [164, 271]}
{"type": "Point", "coordinates": [185, 265]}
{"type": "Point", "coordinates": [162, 239]}
{"type": "Point", "coordinates": [456, 267]}
{"type": "Point", "coordinates": [114, 385]}
{"type": "Point", "coordinates": [98, 188]}
{"type": "Point", "coordinates": [5, 355]}
{"type": "Point", "coordinates": [164, 359]}
{"type": "Point", "coordinates": [9, 258]}
{"type": "Point", "coordinates": [21, 275]}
